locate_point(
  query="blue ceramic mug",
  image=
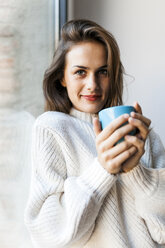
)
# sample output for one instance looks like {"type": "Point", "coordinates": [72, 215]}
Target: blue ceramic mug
{"type": "Point", "coordinates": [106, 116]}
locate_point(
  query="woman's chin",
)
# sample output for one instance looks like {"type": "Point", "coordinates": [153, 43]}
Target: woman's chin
{"type": "Point", "coordinates": [90, 109]}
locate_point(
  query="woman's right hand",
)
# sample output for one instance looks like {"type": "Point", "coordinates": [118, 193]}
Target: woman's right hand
{"type": "Point", "coordinates": [111, 155]}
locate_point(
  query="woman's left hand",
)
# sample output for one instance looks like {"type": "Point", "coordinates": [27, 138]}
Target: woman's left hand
{"type": "Point", "coordinates": [142, 124]}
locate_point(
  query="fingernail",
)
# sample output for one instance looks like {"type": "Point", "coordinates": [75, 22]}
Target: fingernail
{"type": "Point", "coordinates": [126, 116]}
{"type": "Point", "coordinates": [132, 114]}
{"type": "Point", "coordinates": [94, 119]}
{"type": "Point", "coordinates": [128, 136]}
{"type": "Point", "coordinates": [132, 119]}
{"type": "Point", "coordinates": [135, 103]}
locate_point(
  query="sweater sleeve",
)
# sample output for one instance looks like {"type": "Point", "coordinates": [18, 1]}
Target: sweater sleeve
{"type": "Point", "coordinates": [154, 156]}
{"type": "Point", "coordinates": [62, 210]}
{"type": "Point", "coordinates": [148, 187]}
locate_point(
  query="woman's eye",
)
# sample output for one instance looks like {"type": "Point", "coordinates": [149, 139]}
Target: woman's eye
{"type": "Point", "coordinates": [103, 72]}
{"type": "Point", "coordinates": [80, 72]}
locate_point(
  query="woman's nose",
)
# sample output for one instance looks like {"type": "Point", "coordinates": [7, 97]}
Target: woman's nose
{"type": "Point", "coordinates": [92, 83]}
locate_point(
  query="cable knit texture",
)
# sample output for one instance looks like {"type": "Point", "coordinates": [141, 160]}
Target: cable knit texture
{"type": "Point", "coordinates": [74, 202]}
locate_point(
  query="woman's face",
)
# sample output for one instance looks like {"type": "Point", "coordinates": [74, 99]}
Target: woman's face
{"type": "Point", "coordinates": [86, 77]}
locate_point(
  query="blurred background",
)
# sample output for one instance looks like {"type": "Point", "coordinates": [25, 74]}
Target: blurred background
{"type": "Point", "coordinates": [29, 33]}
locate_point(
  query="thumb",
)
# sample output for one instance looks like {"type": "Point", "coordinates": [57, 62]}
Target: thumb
{"type": "Point", "coordinates": [137, 107]}
{"type": "Point", "coordinates": [96, 126]}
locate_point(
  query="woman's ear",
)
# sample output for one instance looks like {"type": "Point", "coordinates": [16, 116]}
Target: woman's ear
{"type": "Point", "coordinates": [63, 83]}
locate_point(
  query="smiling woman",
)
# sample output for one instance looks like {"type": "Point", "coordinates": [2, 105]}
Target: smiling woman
{"type": "Point", "coordinates": [88, 190]}
{"type": "Point", "coordinates": [78, 39]}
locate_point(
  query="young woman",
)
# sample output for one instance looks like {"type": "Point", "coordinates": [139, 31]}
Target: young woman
{"type": "Point", "coordinates": [85, 190]}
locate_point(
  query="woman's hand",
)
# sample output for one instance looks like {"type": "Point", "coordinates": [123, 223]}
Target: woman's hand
{"type": "Point", "coordinates": [125, 155]}
{"type": "Point", "coordinates": [142, 123]}
{"type": "Point", "coordinates": [111, 155]}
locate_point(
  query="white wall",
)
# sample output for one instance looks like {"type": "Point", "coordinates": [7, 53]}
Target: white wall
{"type": "Point", "coordinates": [139, 29]}
{"type": "Point", "coordinates": [25, 50]}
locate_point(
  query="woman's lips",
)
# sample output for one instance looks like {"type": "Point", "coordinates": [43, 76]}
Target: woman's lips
{"type": "Point", "coordinates": [91, 97]}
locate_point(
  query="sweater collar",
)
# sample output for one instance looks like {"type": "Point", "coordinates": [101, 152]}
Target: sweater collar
{"type": "Point", "coordinates": [82, 115]}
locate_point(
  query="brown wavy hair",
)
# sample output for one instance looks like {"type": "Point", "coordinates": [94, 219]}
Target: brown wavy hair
{"type": "Point", "coordinates": [73, 32]}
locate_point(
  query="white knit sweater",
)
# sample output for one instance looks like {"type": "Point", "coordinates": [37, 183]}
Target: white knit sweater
{"type": "Point", "coordinates": [74, 202]}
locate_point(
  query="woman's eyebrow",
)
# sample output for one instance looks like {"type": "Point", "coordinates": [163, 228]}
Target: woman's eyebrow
{"type": "Point", "coordinates": [80, 66]}
{"type": "Point", "coordinates": [102, 67]}
{"type": "Point", "coordinates": [84, 67]}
